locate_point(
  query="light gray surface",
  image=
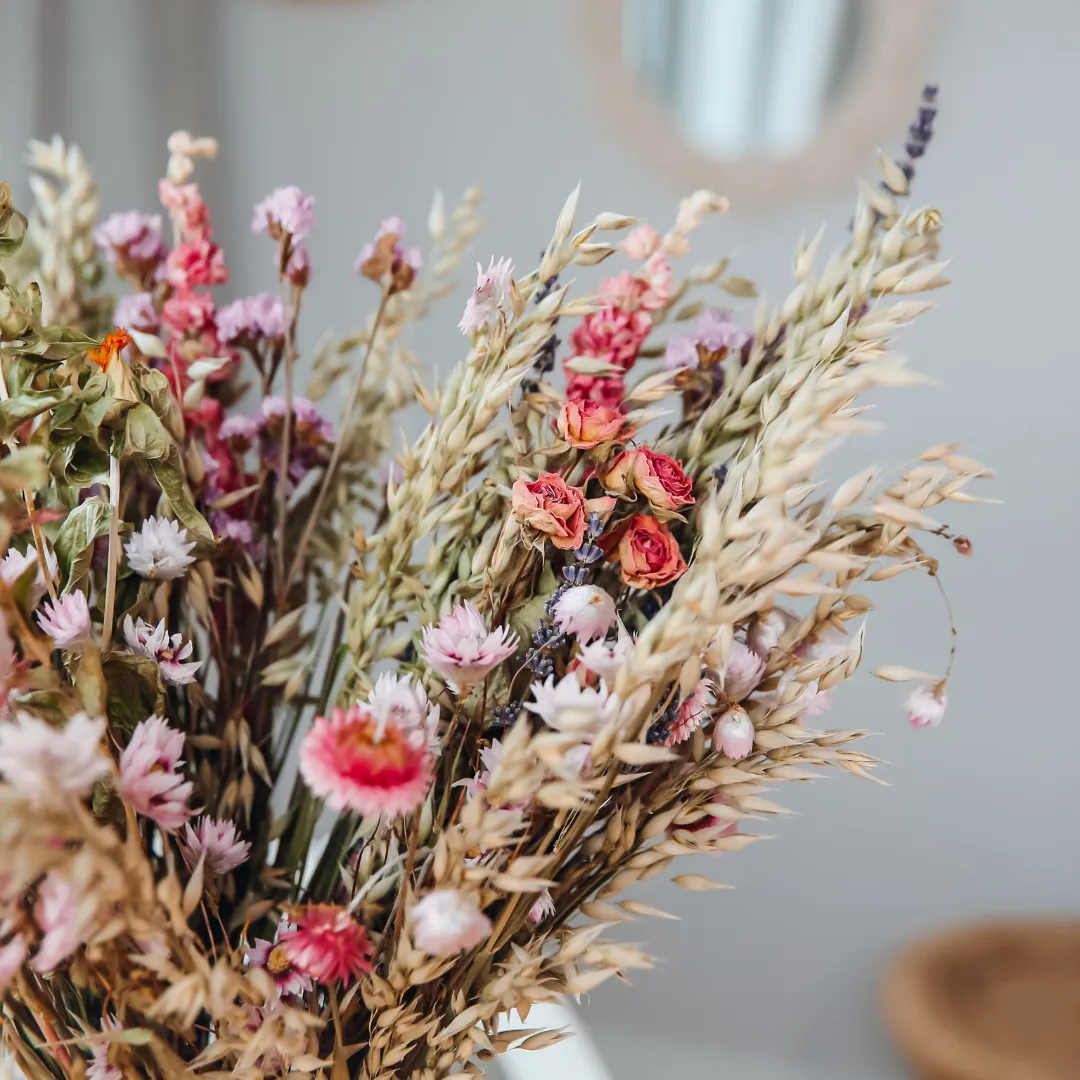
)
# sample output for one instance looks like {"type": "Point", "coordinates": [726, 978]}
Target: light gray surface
{"type": "Point", "coordinates": [371, 105]}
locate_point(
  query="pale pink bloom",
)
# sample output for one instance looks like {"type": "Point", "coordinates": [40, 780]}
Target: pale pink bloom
{"type": "Point", "coordinates": [16, 563]}
{"type": "Point", "coordinates": [606, 658]}
{"type": "Point", "coordinates": [289, 209]}
{"type": "Point", "coordinates": [566, 705]}
{"type": "Point", "coordinates": [100, 1068]}
{"type": "Point", "coordinates": [61, 919]}
{"type": "Point", "coordinates": [492, 291]}
{"type": "Point", "coordinates": [159, 550]}
{"type": "Point", "coordinates": [45, 763]}
{"type": "Point", "coordinates": [305, 416]}
{"type": "Point", "coordinates": [446, 921]}
{"type": "Point", "coordinates": [769, 628]}
{"type": "Point", "coordinates": [273, 956]}
{"type": "Point", "coordinates": [640, 243]}
{"type": "Point", "coordinates": [681, 355]}
{"type": "Point", "coordinates": [169, 653]}
{"type": "Point", "coordinates": [577, 759]}
{"type": "Point", "coordinates": [366, 766]}
{"type": "Point", "coordinates": [216, 841]}
{"type": "Point", "coordinates": [328, 945]}
{"type": "Point", "coordinates": [586, 611]}
{"type": "Point", "coordinates": [716, 330]}
{"type": "Point", "coordinates": [186, 207]}
{"type": "Point", "coordinates": [400, 699]}
{"type": "Point", "coordinates": [543, 908]}
{"type": "Point", "coordinates": [744, 670]}
{"type": "Point", "coordinates": [66, 620]}
{"type": "Point", "coordinates": [188, 313]}
{"type": "Point", "coordinates": [490, 758]}
{"type": "Point", "coordinates": [150, 781]}
{"type": "Point", "coordinates": [692, 713]}
{"type": "Point", "coordinates": [926, 705]}
{"type": "Point", "coordinates": [12, 956]}
{"type": "Point", "coordinates": [298, 268]}
{"type": "Point", "coordinates": [825, 645]}
{"type": "Point", "coordinates": [136, 311]}
{"type": "Point", "coordinates": [134, 235]}
{"type": "Point", "coordinates": [195, 262]}
{"type": "Point", "coordinates": [734, 735]}
{"type": "Point", "coordinates": [252, 317]}
{"type": "Point", "coordinates": [659, 281]}
{"type": "Point", "coordinates": [461, 649]}
{"type": "Point", "coordinates": [693, 208]}
{"type": "Point", "coordinates": [244, 429]}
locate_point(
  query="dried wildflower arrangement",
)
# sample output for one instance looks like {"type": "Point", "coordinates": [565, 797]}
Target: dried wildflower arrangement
{"type": "Point", "coordinates": [314, 765]}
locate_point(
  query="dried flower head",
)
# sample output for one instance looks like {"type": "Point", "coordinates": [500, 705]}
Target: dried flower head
{"type": "Point", "coordinates": [218, 842]}
{"type": "Point", "coordinates": [461, 649]}
{"type": "Point", "coordinates": [274, 957]}
{"type": "Point", "coordinates": [447, 921]}
{"type": "Point", "coordinates": [734, 735]}
{"type": "Point", "coordinates": [150, 780]}
{"type": "Point", "coordinates": [285, 210]}
{"type": "Point", "coordinates": [926, 705]}
{"type": "Point", "coordinates": [586, 611]}
{"type": "Point", "coordinates": [159, 550]}
{"type": "Point", "coordinates": [47, 764]}
{"type": "Point", "coordinates": [62, 917]}
{"type": "Point", "coordinates": [491, 293]}
{"type": "Point", "coordinates": [66, 620]}
{"type": "Point", "coordinates": [169, 653]}
{"type": "Point", "coordinates": [328, 945]}
{"type": "Point", "coordinates": [16, 563]}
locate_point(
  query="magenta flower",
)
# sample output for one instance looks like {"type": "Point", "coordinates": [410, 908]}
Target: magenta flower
{"type": "Point", "coordinates": [66, 620]}
{"type": "Point", "coordinates": [159, 550]}
{"type": "Point", "coordinates": [150, 781]}
{"type": "Point", "coordinates": [167, 652]}
{"type": "Point", "coordinates": [253, 317]}
{"type": "Point", "coordinates": [136, 311]}
{"type": "Point", "coordinates": [446, 921]}
{"type": "Point", "coordinates": [217, 842]}
{"type": "Point", "coordinates": [692, 713]}
{"type": "Point", "coordinates": [543, 908]}
{"type": "Point", "coordinates": [273, 956]}
{"type": "Point", "coordinates": [12, 956]}
{"type": "Point", "coordinates": [462, 650]}
{"type": "Point", "coordinates": [286, 209]}
{"type": "Point", "coordinates": [926, 705]}
{"type": "Point", "coordinates": [744, 670]}
{"type": "Point", "coordinates": [131, 235]}
{"type": "Point", "coordinates": [196, 262]}
{"type": "Point", "coordinates": [61, 919]}
{"type": "Point", "coordinates": [734, 735]}
{"type": "Point", "coordinates": [586, 611]}
{"type": "Point", "coordinates": [44, 764]}
{"type": "Point", "coordinates": [492, 292]}
{"type": "Point", "coordinates": [328, 945]}
{"type": "Point", "coordinates": [188, 313]}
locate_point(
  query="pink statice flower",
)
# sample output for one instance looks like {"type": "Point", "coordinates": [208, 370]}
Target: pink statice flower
{"type": "Point", "coordinates": [217, 842]}
{"type": "Point", "coordinates": [543, 908]}
{"type": "Point", "coordinates": [447, 921]}
{"type": "Point", "coordinates": [734, 735]}
{"type": "Point", "coordinates": [586, 611]}
{"type": "Point", "coordinates": [400, 699]}
{"type": "Point", "coordinates": [692, 713]}
{"type": "Point", "coordinates": [159, 550]}
{"type": "Point", "coordinates": [328, 945]}
{"type": "Point", "coordinates": [606, 658]}
{"type": "Point", "coordinates": [716, 330]}
{"type": "Point", "coordinates": [926, 705]}
{"type": "Point", "coordinates": [491, 293]}
{"type": "Point", "coordinates": [137, 311]}
{"type": "Point", "coordinates": [312, 429]}
{"type": "Point", "coordinates": [252, 318]}
{"type": "Point", "coordinates": [131, 236]}
{"type": "Point", "coordinates": [46, 764]}
{"type": "Point", "coordinates": [150, 780]}
{"type": "Point", "coordinates": [681, 354]}
{"type": "Point", "coordinates": [16, 563]}
{"type": "Point", "coordinates": [12, 956]}
{"type": "Point", "coordinates": [66, 620]}
{"type": "Point", "coordinates": [272, 955]}
{"type": "Point", "coordinates": [743, 673]}
{"type": "Point", "coordinates": [490, 759]}
{"type": "Point", "coordinates": [187, 210]}
{"type": "Point", "coordinates": [640, 243]}
{"type": "Point", "coordinates": [298, 268]}
{"type": "Point", "coordinates": [62, 917]}
{"type": "Point", "coordinates": [285, 210]}
{"type": "Point", "coordinates": [240, 431]}
{"type": "Point", "coordinates": [613, 335]}
{"type": "Point", "coordinates": [366, 765]}
{"type": "Point", "coordinates": [236, 531]}
{"type": "Point", "coordinates": [461, 649]}
{"type": "Point", "coordinates": [188, 313]}
{"type": "Point", "coordinates": [566, 705]}
{"type": "Point", "coordinates": [169, 653]}
{"type": "Point", "coordinates": [196, 262]}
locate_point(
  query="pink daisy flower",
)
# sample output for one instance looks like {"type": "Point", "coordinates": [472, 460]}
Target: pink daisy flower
{"type": "Point", "coordinates": [66, 620]}
{"type": "Point", "coordinates": [368, 767]}
{"type": "Point", "coordinates": [692, 713]}
{"type": "Point", "coordinates": [216, 841]}
{"type": "Point", "coordinates": [273, 956]}
{"type": "Point", "coordinates": [167, 652]}
{"type": "Point", "coordinates": [462, 650]}
{"type": "Point", "coordinates": [447, 921]}
{"type": "Point", "coordinates": [328, 945]}
{"type": "Point", "coordinates": [543, 908]}
{"type": "Point", "coordinates": [150, 781]}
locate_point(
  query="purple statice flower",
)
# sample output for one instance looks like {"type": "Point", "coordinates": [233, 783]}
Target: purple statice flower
{"type": "Point", "coordinates": [286, 209]}
{"type": "Point", "coordinates": [242, 428]}
{"type": "Point", "coordinates": [298, 268]}
{"type": "Point", "coordinates": [717, 330]}
{"type": "Point", "coordinates": [132, 234]}
{"type": "Point", "coordinates": [681, 354]}
{"type": "Point", "coordinates": [136, 311]}
{"type": "Point", "coordinates": [259, 316]}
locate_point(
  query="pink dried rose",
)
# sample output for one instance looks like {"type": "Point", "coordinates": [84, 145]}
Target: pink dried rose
{"type": "Point", "coordinates": [743, 673]}
{"type": "Point", "coordinates": [692, 713]}
{"type": "Point", "coordinates": [447, 921]}
{"type": "Point", "coordinates": [551, 507]}
{"type": "Point", "coordinates": [217, 842]}
{"type": "Point", "coordinates": [196, 262]}
{"type": "Point", "coordinates": [62, 917]}
{"type": "Point", "coordinates": [328, 945]}
{"type": "Point", "coordinates": [46, 764]}
{"type": "Point", "coordinates": [12, 957]}
{"type": "Point", "coordinates": [649, 554]}
{"type": "Point", "coordinates": [588, 424]}
{"type": "Point", "coordinates": [613, 335]}
{"type": "Point", "coordinates": [168, 652]}
{"type": "Point", "coordinates": [585, 611]}
{"type": "Point", "coordinates": [492, 291]}
{"type": "Point", "coordinates": [658, 477]}
{"type": "Point", "coordinates": [366, 766]}
{"type": "Point", "coordinates": [926, 705]}
{"type": "Point", "coordinates": [461, 649]}
{"type": "Point", "coordinates": [66, 620]}
{"type": "Point", "coordinates": [137, 311]}
{"type": "Point", "coordinates": [273, 956]}
{"type": "Point", "coordinates": [150, 780]}
{"type": "Point", "coordinates": [640, 243]}
{"type": "Point", "coordinates": [734, 734]}
{"type": "Point", "coordinates": [285, 210]}
{"type": "Point", "coordinates": [252, 318]}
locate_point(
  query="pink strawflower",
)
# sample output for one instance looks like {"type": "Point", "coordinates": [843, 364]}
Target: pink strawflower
{"type": "Point", "coordinates": [196, 262]}
{"type": "Point", "coordinates": [446, 921]}
{"type": "Point", "coordinates": [586, 611]}
{"type": "Point", "coordinates": [44, 764]}
{"type": "Point", "coordinates": [681, 355]}
{"type": "Point", "coordinates": [613, 335]}
{"type": "Point", "coordinates": [216, 841]}
{"type": "Point", "coordinates": [606, 658]}
{"type": "Point", "coordinates": [328, 945]}
{"type": "Point", "coordinates": [640, 243]}
{"type": "Point", "coordinates": [490, 758]}
{"type": "Point", "coordinates": [926, 705]}
{"type": "Point", "coordinates": [566, 705]}
{"type": "Point", "coordinates": [734, 735]}
{"type": "Point", "coordinates": [159, 550]}
{"type": "Point", "coordinates": [692, 713]}
{"type": "Point", "coordinates": [188, 313]}
{"type": "Point", "coordinates": [136, 311]}
{"type": "Point", "coordinates": [169, 653]}
{"type": "Point", "coordinates": [366, 766]}
{"type": "Point", "coordinates": [273, 956]}
{"type": "Point", "coordinates": [16, 563]}
{"type": "Point", "coordinates": [12, 956]}
{"type": "Point", "coordinates": [491, 293]}
{"type": "Point", "coordinates": [543, 908]}
{"type": "Point", "coordinates": [66, 620]}
{"type": "Point", "coordinates": [130, 235]}
{"type": "Point", "coordinates": [462, 650]}
{"type": "Point", "coordinates": [744, 670]}
{"type": "Point", "coordinates": [150, 781]}
{"type": "Point", "coordinates": [286, 209]}
{"type": "Point", "coordinates": [100, 1068]}
{"type": "Point", "coordinates": [253, 317]}
{"type": "Point", "coordinates": [400, 700]}
{"type": "Point", "coordinates": [60, 920]}
{"type": "Point", "coordinates": [716, 330]}
{"type": "Point", "coordinates": [769, 628]}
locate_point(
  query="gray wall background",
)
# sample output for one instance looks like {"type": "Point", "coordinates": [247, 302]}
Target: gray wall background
{"type": "Point", "coordinates": [371, 105]}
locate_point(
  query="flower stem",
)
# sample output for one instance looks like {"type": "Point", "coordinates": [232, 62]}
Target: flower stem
{"type": "Point", "coordinates": [114, 553]}
{"type": "Point", "coordinates": [286, 436]}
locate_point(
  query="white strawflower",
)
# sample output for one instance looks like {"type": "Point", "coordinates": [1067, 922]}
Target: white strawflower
{"type": "Point", "coordinates": [15, 563]}
{"type": "Point", "coordinates": [585, 611]}
{"type": "Point", "coordinates": [42, 762]}
{"type": "Point", "coordinates": [400, 700]}
{"type": "Point", "coordinates": [447, 921]}
{"type": "Point", "coordinates": [566, 705]}
{"type": "Point", "coordinates": [159, 550]}
{"type": "Point", "coordinates": [926, 705]}
{"type": "Point", "coordinates": [67, 620]}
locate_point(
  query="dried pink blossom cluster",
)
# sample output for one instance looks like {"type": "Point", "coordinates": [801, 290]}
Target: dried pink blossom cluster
{"type": "Point", "coordinates": [253, 317]}
{"type": "Point", "coordinates": [462, 650]}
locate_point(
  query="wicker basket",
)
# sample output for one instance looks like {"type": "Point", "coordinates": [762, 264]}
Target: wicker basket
{"type": "Point", "coordinates": [993, 1002]}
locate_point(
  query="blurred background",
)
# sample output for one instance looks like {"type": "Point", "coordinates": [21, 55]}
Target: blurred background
{"type": "Point", "coordinates": [372, 104]}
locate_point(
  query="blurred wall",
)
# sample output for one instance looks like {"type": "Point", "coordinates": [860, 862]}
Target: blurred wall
{"type": "Point", "coordinates": [371, 105]}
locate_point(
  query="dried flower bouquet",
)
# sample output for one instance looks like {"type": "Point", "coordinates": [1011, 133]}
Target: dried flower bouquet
{"type": "Point", "coordinates": [538, 659]}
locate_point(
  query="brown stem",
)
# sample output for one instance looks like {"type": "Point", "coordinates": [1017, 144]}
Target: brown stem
{"type": "Point", "coordinates": [286, 434]}
{"type": "Point", "coordinates": [114, 553]}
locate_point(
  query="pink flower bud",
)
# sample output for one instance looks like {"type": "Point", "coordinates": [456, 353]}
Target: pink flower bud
{"type": "Point", "coordinates": [734, 735]}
